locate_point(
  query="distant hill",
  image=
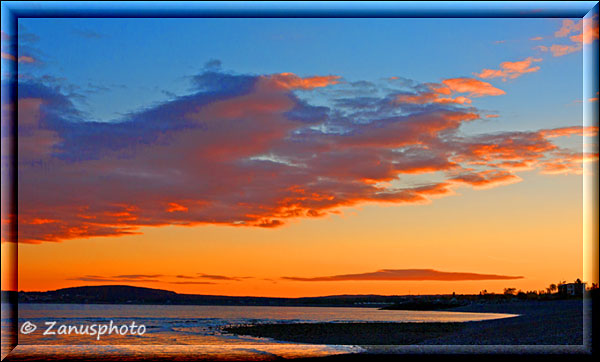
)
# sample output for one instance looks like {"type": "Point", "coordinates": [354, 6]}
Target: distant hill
{"type": "Point", "coordinates": [99, 294]}
{"type": "Point", "coordinates": [125, 294]}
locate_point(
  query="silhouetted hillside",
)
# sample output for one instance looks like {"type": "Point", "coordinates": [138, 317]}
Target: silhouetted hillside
{"type": "Point", "coordinates": [123, 294]}
{"type": "Point", "coordinates": [100, 294]}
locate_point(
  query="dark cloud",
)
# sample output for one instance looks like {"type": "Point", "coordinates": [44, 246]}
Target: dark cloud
{"type": "Point", "coordinates": [218, 277]}
{"type": "Point", "coordinates": [224, 83]}
{"type": "Point", "coordinates": [212, 65]}
{"type": "Point", "coordinates": [405, 274]}
{"type": "Point", "coordinates": [158, 278]}
{"type": "Point", "coordinates": [118, 278]}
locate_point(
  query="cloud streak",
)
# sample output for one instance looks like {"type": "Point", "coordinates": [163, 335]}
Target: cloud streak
{"type": "Point", "coordinates": [405, 275]}
{"type": "Point", "coordinates": [511, 70]}
{"type": "Point", "coordinates": [21, 59]}
{"type": "Point", "coordinates": [199, 278]}
{"type": "Point", "coordinates": [119, 278]}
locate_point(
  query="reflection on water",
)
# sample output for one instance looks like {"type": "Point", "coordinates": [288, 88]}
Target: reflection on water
{"type": "Point", "coordinates": [250, 352]}
{"type": "Point", "coordinates": [199, 328]}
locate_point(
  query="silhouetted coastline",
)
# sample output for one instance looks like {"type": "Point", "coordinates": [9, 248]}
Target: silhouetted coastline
{"type": "Point", "coordinates": [558, 322]}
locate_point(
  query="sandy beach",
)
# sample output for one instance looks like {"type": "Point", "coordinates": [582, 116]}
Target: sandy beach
{"type": "Point", "coordinates": [539, 323]}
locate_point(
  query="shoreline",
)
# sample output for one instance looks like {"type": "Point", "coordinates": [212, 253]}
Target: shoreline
{"type": "Point", "coordinates": [538, 323]}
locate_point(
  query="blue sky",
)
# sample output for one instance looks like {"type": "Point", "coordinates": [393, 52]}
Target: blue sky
{"type": "Point", "coordinates": [127, 64]}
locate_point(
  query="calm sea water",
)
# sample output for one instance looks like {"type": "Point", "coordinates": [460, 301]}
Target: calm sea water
{"type": "Point", "coordinates": [200, 326]}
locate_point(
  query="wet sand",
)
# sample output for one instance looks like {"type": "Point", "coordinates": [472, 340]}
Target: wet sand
{"type": "Point", "coordinates": [539, 323]}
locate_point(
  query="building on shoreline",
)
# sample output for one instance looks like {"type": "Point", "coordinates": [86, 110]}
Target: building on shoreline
{"type": "Point", "coordinates": [571, 289]}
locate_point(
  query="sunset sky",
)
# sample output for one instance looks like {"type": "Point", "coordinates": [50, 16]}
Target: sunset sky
{"type": "Point", "coordinates": [301, 157]}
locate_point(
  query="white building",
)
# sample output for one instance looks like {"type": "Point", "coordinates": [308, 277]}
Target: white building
{"type": "Point", "coordinates": [572, 288]}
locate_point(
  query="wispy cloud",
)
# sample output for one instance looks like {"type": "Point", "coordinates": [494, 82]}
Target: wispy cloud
{"type": "Point", "coordinates": [581, 32]}
{"type": "Point", "coordinates": [568, 26]}
{"type": "Point", "coordinates": [21, 59]}
{"type": "Point", "coordinates": [558, 50]}
{"type": "Point", "coordinates": [511, 70]}
{"type": "Point", "coordinates": [158, 278]}
{"type": "Point", "coordinates": [23, 45]}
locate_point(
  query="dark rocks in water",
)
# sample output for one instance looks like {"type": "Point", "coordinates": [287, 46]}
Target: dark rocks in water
{"type": "Point", "coordinates": [426, 305]}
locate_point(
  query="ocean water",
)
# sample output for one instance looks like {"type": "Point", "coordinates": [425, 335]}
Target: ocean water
{"type": "Point", "coordinates": [198, 328]}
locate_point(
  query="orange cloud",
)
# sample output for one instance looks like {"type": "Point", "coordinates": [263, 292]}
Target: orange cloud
{"type": "Point", "coordinates": [257, 158]}
{"type": "Point", "coordinates": [536, 38]}
{"type": "Point", "coordinates": [441, 89]}
{"type": "Point", "coordinates": [514, 147]}
{"type": "Point", "coordinates": [587, 32]}
{"type": "Point", "coordinates": [517, 165]}
{"type": "Point", "coordinates": [487, 179]}
{"type": "Point", "coordinates": [474, 87]}
{"type": "Point", "coordinates": [440, 189]}
{"type": "Point", "coordinates": [560, 50]}
{"type": "Point", "coordinates": [21, 59]}
{"type": "Point", "coordinates": [41, 221]}
{"type": "Point", "coordinates": [173, 207]}
{"type": "Point", "coordinates": [8, 56]}
{"type": "Point", "coordinates": [457, 100]}
{"type": "Point", "coordinates": [292, 81]}
{"type": "Point", "coordinates": [405, 274]}
{"type": "Point", "coordinates": [568, 163]}
{"type": "Point", "coordinates": [430, 97]}
{"type": "Point", "coordinates": [588, 131]}
{"type": "Point", "coordinates": [511, 70]}
{"type": "Point", "coordinates": [26, 59]}
{"type": "Point", "coordinates": [567, 27]}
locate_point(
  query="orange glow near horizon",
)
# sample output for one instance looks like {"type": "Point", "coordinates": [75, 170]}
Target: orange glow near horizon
{"type": "Point", "coordinates": [528, 229]}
